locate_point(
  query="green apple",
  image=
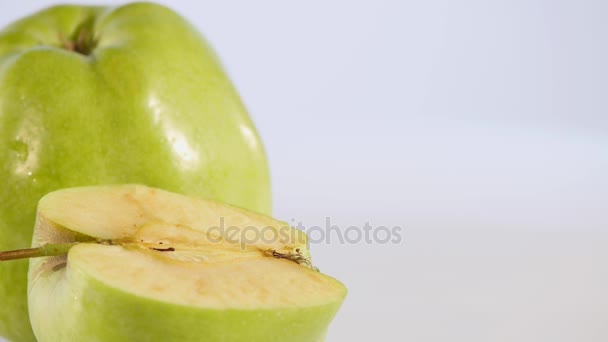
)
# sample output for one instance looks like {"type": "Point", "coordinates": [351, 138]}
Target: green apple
{"type": "Point", "coordinates": [131, 94]}
{"type": "Point", "coordinates": [134, 263]}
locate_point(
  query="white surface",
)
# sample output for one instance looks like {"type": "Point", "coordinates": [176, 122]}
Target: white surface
{"type": "Point", "coordinates": [478, 126]}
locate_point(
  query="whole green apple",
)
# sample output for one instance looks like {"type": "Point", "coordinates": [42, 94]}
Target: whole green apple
{"type": "Point", "coordinates": [94, 95]}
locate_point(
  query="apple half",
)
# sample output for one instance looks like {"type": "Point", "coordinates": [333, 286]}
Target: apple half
{"type": "Point", "coordinates": [133, 263]}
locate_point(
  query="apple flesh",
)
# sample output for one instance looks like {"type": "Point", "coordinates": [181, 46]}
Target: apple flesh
{"type": "Point", "coordinates": [145, 264]}
{"type": "Point", "coordinates": [129, 94]}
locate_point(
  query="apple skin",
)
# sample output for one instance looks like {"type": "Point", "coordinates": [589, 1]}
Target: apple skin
{"type": "Point", "coordinates": [150, 104]}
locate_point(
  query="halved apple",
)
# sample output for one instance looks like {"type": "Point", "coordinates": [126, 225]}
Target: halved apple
{"type": "Point", "coordinates": [143, 264]}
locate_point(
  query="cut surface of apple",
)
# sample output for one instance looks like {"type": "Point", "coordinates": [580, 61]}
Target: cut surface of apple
{"type": "Point", "coordinates": [153, 265]}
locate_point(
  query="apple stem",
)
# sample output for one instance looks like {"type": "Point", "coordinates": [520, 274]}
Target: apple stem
{"type": "Point", "coordinates": [42, 251]}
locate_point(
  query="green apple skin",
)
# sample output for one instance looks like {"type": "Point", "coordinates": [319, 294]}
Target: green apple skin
{"type": "Point", "coordinates": [71, 305]}
{"type": "Point", "coordinates": [149, 104]}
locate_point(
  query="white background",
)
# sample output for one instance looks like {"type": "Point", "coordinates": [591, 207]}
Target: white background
{"type": "Point", "coordinates": [479, 127]}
